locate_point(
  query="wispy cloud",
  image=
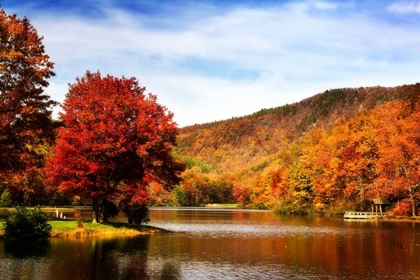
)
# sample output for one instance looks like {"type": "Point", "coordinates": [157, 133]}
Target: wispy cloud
{"type": "Point", "coordinates": [405, 7]}
{"type": "Point", "coordinates": [209, 62]}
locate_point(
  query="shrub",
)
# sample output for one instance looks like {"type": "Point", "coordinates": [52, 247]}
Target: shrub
{"type": "Point", "coordinates": [283, 208]}
{"type": "Point", "coordinates": [292, 209]}
{"type": "Point", "coordinates": [6, 198]}
{"type": "Point", "coordinates": [27, 224]}
{"type": "Point", "coordinates": [403, 208]}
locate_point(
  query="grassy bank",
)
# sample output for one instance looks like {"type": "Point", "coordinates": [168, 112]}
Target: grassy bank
{"type": "Point", "coordinates": [401, 219]}
{"type": "Point", "coordinates": [221, 205]}
{"type": "Point", "coordinates": [69, 229]}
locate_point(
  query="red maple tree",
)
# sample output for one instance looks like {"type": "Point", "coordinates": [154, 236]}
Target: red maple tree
{"type": "Point", "coordinates": [25, 111]}
{"type": "Point", "coordinates": [114, 142]}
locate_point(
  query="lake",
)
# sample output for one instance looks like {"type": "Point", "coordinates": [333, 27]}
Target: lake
{"type": "Point", "coordinates": [227, 244]}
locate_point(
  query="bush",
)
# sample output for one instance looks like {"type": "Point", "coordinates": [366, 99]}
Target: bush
{"type": "Point", "coordinates": [292, 209]}
{"type": "Point", "coordinates": [403, 208]}
{"type": "Point", "coordinates": [27, 224]}
{"type": "Point", "coordinates": [6, 198]}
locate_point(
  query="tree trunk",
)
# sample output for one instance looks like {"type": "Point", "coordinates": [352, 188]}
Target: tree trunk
{"type": "Point", "coordinates": [98, 211]}
{"type": "Point", "coordinates": [413, 204]}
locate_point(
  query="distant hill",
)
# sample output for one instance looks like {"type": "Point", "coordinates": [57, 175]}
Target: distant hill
{"type": "Point", "coordinates": [249, 149]}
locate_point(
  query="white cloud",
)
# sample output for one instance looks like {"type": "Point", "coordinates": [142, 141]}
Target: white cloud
{"type": "Point", "coordinates": [405, 7]}
{"type": "Point", "coordinates": [57, 92]}
{"type": "Point", "coordinates": [325, 5]}
{"type": "Point", "coordinates": [199, 68]}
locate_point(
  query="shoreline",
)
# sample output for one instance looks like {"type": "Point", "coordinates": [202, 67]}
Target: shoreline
{"type": "Point", "coordinates": [69, 229]}
{"type": "Point", "coordinates": [83, 232]}
{"type": "Point", "coordinates": [393, 219]}
{"type": "Point", "coordinates": [400, 219]}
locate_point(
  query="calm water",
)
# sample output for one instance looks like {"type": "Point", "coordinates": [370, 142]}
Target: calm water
{"type": "Point", "coordinates": [227, 244]}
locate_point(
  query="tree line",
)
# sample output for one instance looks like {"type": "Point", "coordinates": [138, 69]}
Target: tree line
{"type": "Point", "coordinates": [330, 153]}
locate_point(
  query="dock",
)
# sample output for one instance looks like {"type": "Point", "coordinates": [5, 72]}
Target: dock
{"type": "Point", "coordinates": [363, 215]}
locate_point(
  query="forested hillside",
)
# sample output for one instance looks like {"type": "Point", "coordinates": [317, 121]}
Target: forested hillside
{"type": "Point", "coordinates": [331, 152]}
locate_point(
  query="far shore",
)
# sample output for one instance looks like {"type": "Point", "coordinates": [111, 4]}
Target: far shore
{"type": "Point", "coordinates": [395, 219]}
{"type": "Point", "coordinates": [415, 219]}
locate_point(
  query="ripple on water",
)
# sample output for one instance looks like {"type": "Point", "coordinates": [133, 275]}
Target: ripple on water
{"type": "Point", "coordinates": [250, 230]}
{"type": "Point", "coordinates": [210, 270]}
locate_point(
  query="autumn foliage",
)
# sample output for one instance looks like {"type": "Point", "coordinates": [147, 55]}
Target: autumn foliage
{"type": "Point", "coordinates": [115, 142]}
{"type": "Point", "coordinates": [26, 129]}
{"type": "Point", "coordinates": [329, 153]}
{"type": "Point", "coordinates": [117, 146]}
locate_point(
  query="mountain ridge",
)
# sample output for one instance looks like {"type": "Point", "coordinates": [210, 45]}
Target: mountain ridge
{"type": "Point", "coordinates": [246, 151]}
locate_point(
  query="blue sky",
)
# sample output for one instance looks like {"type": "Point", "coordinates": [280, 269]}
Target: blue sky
{"type": "Point", "coordinates": [212, 60]}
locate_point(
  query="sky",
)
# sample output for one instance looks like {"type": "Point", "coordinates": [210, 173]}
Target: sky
{"type": "Point", "coordinates": [212, 60]}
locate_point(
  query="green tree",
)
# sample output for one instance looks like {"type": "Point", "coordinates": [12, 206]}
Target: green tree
{"type": "Point", "coordinates": [27, 224]}
{"type": "Point", "coordinates": [300, 185]}
{"type": "Point", "coordinates": [6, 198]}
{"type": "Point", "coordinates": [179, 196]}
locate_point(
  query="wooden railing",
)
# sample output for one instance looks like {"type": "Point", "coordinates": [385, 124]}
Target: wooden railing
{"type": "Point", "coordinates": [363, 215]}
{"type": "Point", "coordinates": [58, 212]}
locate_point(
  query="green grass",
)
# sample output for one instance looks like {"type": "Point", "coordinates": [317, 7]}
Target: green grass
{"type": "Point", "coordinates": [69, 229]}
{"type": "Point", "coordinates": [64, 225]}
{"type": "Point", "coordinates": [61, 225]}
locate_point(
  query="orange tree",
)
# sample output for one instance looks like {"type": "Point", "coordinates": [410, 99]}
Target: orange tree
{"type": "Point", "coordinates": [25, 115]}
{"type": "Point", "coordinates": [399, 180]}
{"type": "Point", "coordinates": [115, 141]}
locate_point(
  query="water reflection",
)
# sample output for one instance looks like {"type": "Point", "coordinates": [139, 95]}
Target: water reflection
{"type": "Point", "coordinates": [22, 249]}
{"type": "Point", "coordinates": [170, 271]}
{"type": "Point", "coordinates": [252, 245]}
{"type": "Point", "coordinates": [111, 258]}
{"type": "Point", "coordinates": [120, 258]}
{"type": "Point", "coordinates": [226, 245]}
